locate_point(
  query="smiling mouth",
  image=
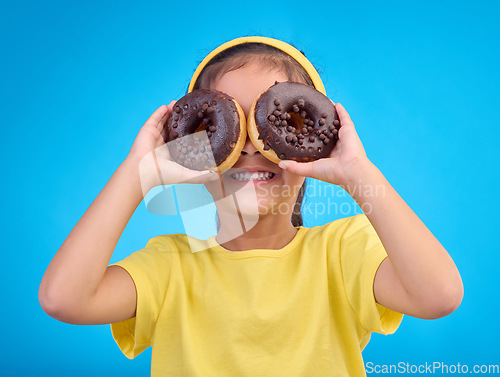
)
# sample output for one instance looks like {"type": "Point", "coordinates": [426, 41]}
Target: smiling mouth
{"type": "Point", "coordinates": [253, 176]}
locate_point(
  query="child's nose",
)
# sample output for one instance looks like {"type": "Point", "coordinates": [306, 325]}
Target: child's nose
{"type": "Point", "coordinates": [249, 148]}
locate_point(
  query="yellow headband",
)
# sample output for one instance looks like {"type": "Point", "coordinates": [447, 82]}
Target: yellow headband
{"type": "Point", "coordinates": [285, 47]}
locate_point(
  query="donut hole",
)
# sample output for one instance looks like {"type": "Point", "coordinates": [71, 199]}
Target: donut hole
{"type": "Point", "coordinates": [201, 127]}
{"type": "Point", "coordinates": [205, 124]}
{"type": "Point", "coordinates": [296, 121]}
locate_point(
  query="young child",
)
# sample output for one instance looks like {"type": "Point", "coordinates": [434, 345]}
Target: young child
{"type": "Point", "coordinates": [279, 299]}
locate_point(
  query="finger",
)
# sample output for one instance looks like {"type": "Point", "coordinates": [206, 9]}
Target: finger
{"type": "Point", "coordinates": [171, 105]}
{"type": "Point", "coordinates": [345, 119]}
{"type": "Point", "coordinates": [163, 120]}
{"type": "Point", "coordinates": [306, 169]}
{"type": "Point", "coordinates": [347, 128]}
{"type": "Point", "coordinates": [332, 102]}
{"type": "Point", "coordinates": [157, 115]}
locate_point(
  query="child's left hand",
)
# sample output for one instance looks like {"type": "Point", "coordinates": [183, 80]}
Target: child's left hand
{"type": "Point", "coordinates": [338, 168]}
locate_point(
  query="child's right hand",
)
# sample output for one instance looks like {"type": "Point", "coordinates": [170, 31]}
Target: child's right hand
{"type": "Point", "coordinates": [151, 154]}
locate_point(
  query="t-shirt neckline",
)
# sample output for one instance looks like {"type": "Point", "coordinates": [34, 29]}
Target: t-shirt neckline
{"type": "Point", "coordinates": [273, 253]}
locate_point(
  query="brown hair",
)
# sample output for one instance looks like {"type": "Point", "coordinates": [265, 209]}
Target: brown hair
{"type": "Point", "coordinates": [237, 56]}
{"type": "Point", "coordinates": [269, 57]}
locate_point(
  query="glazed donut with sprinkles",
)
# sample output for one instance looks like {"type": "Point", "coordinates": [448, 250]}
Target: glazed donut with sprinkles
{"type": "Point", "coordinates": [213, 112]}
{"type": "Point", "coordinates": [293, 121]}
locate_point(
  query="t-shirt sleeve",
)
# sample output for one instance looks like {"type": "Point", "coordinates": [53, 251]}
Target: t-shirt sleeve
{"type": "Point", "coordinates": [361, 253]}
{"type": "Point", "coordinates": [150, 271]}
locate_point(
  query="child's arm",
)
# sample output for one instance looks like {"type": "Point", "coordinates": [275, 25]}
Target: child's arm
{"type": "Point", "coordinates": [419, 277]}
{"type": "Point", "coordinates": [78, 286]}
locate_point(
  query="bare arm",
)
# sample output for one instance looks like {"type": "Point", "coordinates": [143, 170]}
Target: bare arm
{"type": "Point", "coordinates": [78, 286]}
{"type": "Point", "coordinates": [419, 277]}
{"type": "Point", "coordinates": [69, 286]}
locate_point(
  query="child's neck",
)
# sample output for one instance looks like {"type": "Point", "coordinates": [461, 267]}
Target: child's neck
{"type": "Point", "coordinates": [270, 232]}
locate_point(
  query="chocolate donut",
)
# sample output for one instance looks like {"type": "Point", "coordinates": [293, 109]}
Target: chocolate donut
{"type": "Point", "coordinates": [293, 121]}
{"type": "Point", "coordinates": [223, 130]}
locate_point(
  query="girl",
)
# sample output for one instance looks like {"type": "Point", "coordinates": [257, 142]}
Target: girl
{"type": "Point", "coordinates": [276, 299]}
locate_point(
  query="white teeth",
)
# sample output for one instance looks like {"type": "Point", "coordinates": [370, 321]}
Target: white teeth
{"type": "Point", "coordinates": [254, 176]}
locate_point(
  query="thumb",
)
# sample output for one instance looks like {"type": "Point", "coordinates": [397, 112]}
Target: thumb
{"type": "Point", "coordinates": [305, 169]}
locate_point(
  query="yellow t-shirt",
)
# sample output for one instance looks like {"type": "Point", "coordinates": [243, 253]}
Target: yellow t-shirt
{"type": "Point", "coordinates": [304, 310]}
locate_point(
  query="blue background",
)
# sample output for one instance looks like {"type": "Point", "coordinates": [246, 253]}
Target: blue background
{"type": "Point", "coordinates": [78, 79]}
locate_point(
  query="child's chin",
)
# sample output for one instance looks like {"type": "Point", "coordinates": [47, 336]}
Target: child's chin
{"type": "Point", "coordinates": [254, 208]}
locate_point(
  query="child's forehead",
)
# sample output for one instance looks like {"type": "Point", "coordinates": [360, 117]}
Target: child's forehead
{"type": "Point", "coordinates": [252, 68]}
{"type": "Point", "coordinates": [246, 83]}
